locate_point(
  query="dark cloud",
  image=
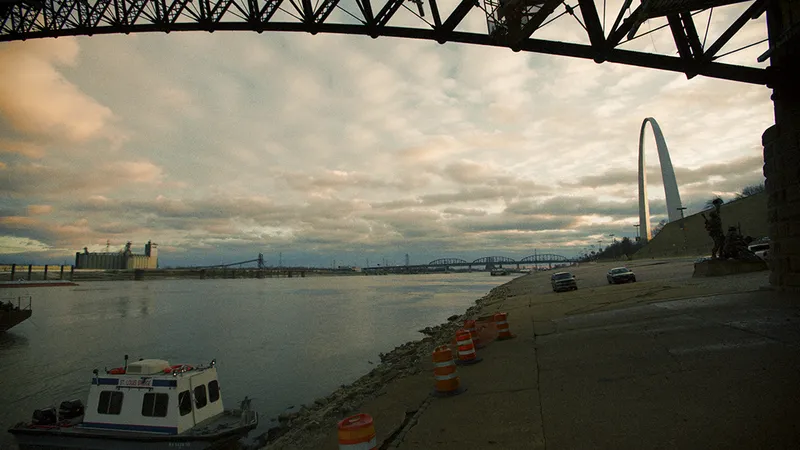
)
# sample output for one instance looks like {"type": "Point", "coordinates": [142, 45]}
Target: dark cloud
{"type": "Point", "coordinates": [574, 205]}
{"type": "Point", "coordinates": [683, 175]}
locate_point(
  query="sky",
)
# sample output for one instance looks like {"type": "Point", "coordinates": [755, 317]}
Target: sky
{"type": "Point", "coordinates": [345, 150]}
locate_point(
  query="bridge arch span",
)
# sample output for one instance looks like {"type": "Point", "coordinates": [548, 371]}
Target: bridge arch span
{"type": "Point", "coordinates": [446, 261]}
{"type": "Point", "coordinates": [544, 258]}
{"type": "Point", "coordinates": [667, 175]}
{"type": "Point", "coordinates": [33, 19]}
{"type": "Point", "coordinates": [494, 259]}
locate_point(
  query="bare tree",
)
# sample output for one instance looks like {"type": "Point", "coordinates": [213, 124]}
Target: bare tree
{"type": "Point", "coordinates": [753, 189]}
{"type": "Point", "coordinates": [657, 229]}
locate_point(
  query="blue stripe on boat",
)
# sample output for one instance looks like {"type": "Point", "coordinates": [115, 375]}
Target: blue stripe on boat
{"type": "Point", "coordinates": [129, 427]}
{"type": "Point", "coordinates": [115, 382]}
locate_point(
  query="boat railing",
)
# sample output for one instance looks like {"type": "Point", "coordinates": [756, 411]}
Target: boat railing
{"type": "Point", "coordinates": [8, 303]}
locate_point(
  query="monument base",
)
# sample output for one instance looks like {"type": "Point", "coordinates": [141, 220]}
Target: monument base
{"type": "Point", "coordinates": [719, 267]}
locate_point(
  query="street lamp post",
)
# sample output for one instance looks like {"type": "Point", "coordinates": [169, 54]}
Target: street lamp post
{"type": "Point", "coordinates": [613, 247]}
{"type": "Point", "coordinates": [637, 231]}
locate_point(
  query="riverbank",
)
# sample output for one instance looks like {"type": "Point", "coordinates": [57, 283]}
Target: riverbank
{"type": "Point", "coordinates": [309, 426]}
{"type": "Point", "coordinates": [398, 390]}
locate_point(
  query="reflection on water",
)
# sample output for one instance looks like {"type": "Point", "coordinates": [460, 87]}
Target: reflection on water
{"type": "Point", "coordinates": [280, 341]}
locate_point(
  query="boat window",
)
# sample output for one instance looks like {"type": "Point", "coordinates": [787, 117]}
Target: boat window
{"type": "Point", "coordinates": [185, 403]}
{"type": "Point", "coordinates": [200, 398]}
{"type": "Point", "coordinates": [110, 402]}
{"type": "Point", "coordinates": [213, 391]}
{"type": "Point", "coordinates": [155, 405]}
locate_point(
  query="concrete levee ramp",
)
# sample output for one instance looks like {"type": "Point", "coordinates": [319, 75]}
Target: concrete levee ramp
{"type": "Point", "coordinates": [690, 238]}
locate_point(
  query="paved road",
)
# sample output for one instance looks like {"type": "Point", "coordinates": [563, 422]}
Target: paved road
{"type": "Point", "coordinates": [708, 372]}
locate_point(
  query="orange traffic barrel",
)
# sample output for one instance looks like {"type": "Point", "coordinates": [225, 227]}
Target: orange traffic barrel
{"type": "Point", "coordinates": [470, 326]}
{"type": "Point", "coordinates": [466, 349]}
{"type": "Point", "coordinates": [357, 433]}
{"type": "Point", "coordinates": [487, 330]}
{"type": "Point", "coordinates": [503, 333]}
{"type": "Point", "coordinates": [444, 372]}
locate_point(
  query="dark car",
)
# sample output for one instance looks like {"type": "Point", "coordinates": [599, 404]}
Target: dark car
{"type": "Point", "coordinates": [563, 281]}
{"type": "Point", "coordinates": [620, 275]}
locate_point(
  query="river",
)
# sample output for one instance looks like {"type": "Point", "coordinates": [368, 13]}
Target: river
{"type": "Point", "coordinates": [281, 341]}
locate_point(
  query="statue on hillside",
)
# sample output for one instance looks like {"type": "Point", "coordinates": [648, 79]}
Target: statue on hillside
{"type": "Point", "coordinates": [714, 228]}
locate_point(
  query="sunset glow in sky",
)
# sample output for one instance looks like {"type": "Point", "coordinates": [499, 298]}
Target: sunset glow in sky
{"type": "Point", "coordinates": [222, 146]}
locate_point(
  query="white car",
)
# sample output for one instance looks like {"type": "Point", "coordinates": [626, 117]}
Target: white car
{"type": "Point", "coordinates": [563, 281]}
{"type": "Point", "coordinates": [761, 250]}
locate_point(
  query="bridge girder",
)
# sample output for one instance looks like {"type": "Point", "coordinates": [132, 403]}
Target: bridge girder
{"type": "Point", "coordinates": [29, 19]}
{"type": "Point", "coordinates": [544, 258]}
{"type": "Point", "coordinates": [446, 261]}
{"type": "Point", "coordinates": [494, 260]}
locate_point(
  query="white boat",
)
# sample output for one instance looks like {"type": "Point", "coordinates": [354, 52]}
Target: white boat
{"type": "Point", "coordinates": [145, 405]}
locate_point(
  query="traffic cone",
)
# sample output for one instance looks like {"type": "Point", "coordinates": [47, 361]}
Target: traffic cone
{"type": "Point", "coordinates": [503, 333]}
{"type": "Point", "coordinates": [470, 326]}
{"type": "Point", "coordinates": [357, 433]}
{"type": "Point", "coordinates": [466, 349]}
{"type": "Point", "coordinates": [445, 373]}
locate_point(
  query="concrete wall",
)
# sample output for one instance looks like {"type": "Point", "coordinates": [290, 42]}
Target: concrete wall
{"type": "Point", "coordinates": [108, 261]}
{"type": "Point", "coordinates": [750, 213]}
{"type": "Point", "coordinates": [138, 262]}
{"type": "Point", "coordinates": [782, 145]}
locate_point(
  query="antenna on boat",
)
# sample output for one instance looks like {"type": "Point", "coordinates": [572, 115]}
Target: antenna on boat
{"type": "Point", "coordinates": [126, 363]}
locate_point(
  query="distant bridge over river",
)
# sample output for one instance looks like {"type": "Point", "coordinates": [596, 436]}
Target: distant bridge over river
{"type": "Point", "coordinates": [484, 263]}
{"type": "Point", "coordinates": [437, 265]}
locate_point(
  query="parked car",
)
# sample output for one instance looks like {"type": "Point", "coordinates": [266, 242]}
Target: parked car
{"type": "Point", "coordinates": [761, 250]}
{"type": "Point", "coordinates": [563, 281]}
{"type": "Point", "coordinates": [620, 275]}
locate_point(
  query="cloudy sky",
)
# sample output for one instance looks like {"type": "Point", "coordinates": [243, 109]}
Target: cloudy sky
{"type": "Point", "coordinates": [321, 148]}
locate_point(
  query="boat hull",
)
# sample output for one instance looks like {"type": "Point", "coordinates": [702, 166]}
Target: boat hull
{"type": "Point", "coordinates": [64, 438]}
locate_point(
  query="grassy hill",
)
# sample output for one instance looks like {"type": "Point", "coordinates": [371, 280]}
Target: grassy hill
{"type": "Point", "coordinates": [749, 213]}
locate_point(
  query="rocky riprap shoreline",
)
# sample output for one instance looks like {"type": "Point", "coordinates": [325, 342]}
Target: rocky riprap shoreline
{"type": "Point", "coordinates": [297, 429]}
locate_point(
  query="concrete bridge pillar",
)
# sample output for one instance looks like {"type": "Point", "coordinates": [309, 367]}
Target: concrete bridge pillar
{"type": "Point", "coordinates": [782, 145]}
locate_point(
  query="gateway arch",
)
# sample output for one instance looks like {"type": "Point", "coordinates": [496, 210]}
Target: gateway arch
{"type": "Point", "coordinates": [667, 174]}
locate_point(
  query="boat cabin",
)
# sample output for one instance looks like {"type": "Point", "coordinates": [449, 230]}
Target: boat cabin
{"type": "Point", "coordinates": [153, 397]}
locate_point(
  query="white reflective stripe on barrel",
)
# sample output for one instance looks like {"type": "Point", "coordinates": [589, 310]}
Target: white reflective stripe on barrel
{"type": "Point", "coordinates": [449, 376]}
{"type": "Point", "coordinates": [444, 364]}
{"type": "Point", "coordinates": [502, 323]}
{"type": "Point", "coordinates": [373, 443]}
{"type": "Point", "coordinates": [468, 352]}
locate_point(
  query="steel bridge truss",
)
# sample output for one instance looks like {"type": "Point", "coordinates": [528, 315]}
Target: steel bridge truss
{"type": "Point", "coordinates": [500, 260]}
{"type": "Point", "coordinates": [510, 23]}
{"type": "Point", "coordinates": [546, 258]}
